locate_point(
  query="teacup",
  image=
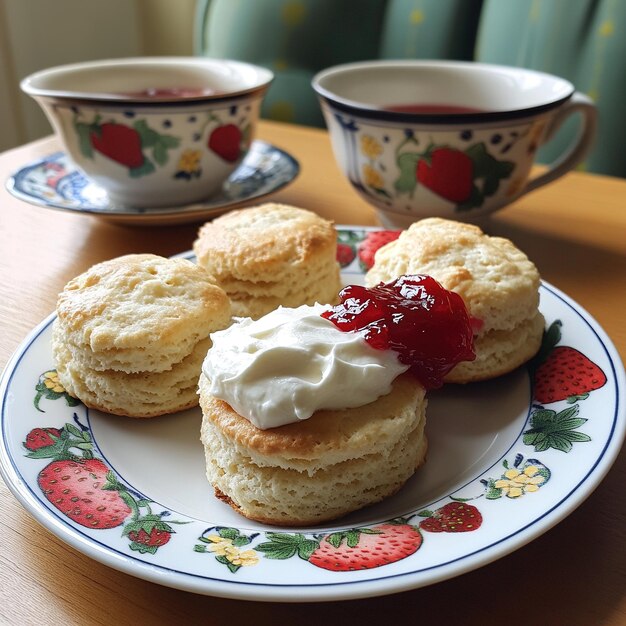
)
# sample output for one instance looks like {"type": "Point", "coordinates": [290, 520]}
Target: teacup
{"type": "Point", "coordinates": [153, 131]}
{"type": "Point", "coordinates": [449, 139]}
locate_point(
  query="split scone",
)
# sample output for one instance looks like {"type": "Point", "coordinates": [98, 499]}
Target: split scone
{"type": "Point", "coordinates": [497, 281]}
{"type": "Point", "coordinates": [271, 255]}
{"type": "Point", "coordinates": [131, 334]}
{"type": "Point", "coordinates": [319, 469]}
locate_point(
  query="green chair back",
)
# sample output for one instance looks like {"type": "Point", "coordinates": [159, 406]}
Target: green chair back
{"type": "Point", "coordinates": [581, 40]}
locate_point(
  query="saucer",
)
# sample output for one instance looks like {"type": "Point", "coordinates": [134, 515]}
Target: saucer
{"type": "Point", "coordinates": [54, 182]}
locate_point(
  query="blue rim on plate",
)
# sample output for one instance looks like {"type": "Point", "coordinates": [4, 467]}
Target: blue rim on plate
{"type": "Point", "coordinates": [496, 459]}
{"type": "Point", "coordinates": [54, 182]}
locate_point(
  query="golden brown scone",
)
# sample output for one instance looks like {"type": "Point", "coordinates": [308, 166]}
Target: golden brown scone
{"type": "Point", "coordinates": [497, 281]}
{"type": "Point", "coordinates": [139, 312]}
{"type": "Point", "coordinates": [270, 255]}
{"type": "Point", "coordinates": [131, 334]}
{"type": "Point", "coordinates": [140, 394]}
{"type": "Point", "coordinates": [319, 469]}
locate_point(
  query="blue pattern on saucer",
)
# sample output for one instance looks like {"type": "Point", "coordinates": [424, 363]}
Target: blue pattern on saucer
{"type": "Point", "coordinates": [55, 182]}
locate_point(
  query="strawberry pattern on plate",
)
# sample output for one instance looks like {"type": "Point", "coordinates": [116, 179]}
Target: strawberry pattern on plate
{"type": "Point", "coordinates": [132, 493]}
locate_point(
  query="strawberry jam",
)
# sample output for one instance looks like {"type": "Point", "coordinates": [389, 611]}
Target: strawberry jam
{"type": "Point", "coordinates": [427, 325]}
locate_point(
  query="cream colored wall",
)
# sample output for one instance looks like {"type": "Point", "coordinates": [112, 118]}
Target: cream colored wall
{"type": "Point", "coordinates": [11, 122]}
{"type": "Point", "coordinates": [35, 34]}
{"type": "Point", "coordinates": [166, 26]}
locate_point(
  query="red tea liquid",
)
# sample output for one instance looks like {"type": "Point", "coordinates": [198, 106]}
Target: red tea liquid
{"type": "Point", "coordinates": [168, 93]}
{"type": "Point", "coordinates": [432, 109]}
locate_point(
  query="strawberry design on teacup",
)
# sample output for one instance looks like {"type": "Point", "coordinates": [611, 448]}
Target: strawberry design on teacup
{"type": "Point", "coordinates": [125, 145]}
{"type": "Point", "coordinates": [464, 177]}
{"type": "Point", "coordinates": [226, 141]}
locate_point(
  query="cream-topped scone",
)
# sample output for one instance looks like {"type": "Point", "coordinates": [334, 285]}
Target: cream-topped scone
{"type": "Point", "coordinates": [318, 469]}
{"type": "Point", "coordinates": [497, 281]}
{"type": "Point", "coordinates": [358, 433]}
{"type": "Point", "coordinates": [307, 416]}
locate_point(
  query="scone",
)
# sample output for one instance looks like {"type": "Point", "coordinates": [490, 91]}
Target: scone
{"type": "Point", "coordinates": [139, 394]}
{"type": "Point", "coordinates": [497, 281]}
{"type": "Point", "coordinates": [312, 412]}
{"type": "Point", "coordinates": [271, 255]}
{"type": "Point", "coordinates": [319, 469]}
{"type": "Point", "coordinates": [131, 333]}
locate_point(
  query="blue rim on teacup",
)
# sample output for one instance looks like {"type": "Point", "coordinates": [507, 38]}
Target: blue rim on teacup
{"type": "Point", "coordinates": [341, 86]}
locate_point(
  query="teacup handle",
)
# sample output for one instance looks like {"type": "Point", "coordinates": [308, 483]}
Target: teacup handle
{"type": "Point", "coordinates": [576, 152]}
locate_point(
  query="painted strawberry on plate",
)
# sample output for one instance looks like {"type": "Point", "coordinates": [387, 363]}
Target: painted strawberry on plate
{"type": "Point", "coordinates": [454, 517]}
{"type": "Point", "coordinates": [345, 254]}
{"type": "Point", "coordinates": [80, 486]}
{"type": "Point", "coordinates": [155, 538]}
{"type": "Point", "coordinates": [562, 372]}
{"type": "Point", "coordinates": [146, 530]}
{"type": "Point", "coordinates": [366, 548]}
{"type": "Point", "coordinates": [347, 550]}
{"type": "Point", "coordinates": [41, 438]}
{"type": "Point", "coordinates": [347, 241]}
{"type": "Point", "coordinates": [372, 242]}
{"type": "Point", "coordinates": [84, 489]}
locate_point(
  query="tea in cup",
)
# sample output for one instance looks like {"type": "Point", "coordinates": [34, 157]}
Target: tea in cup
{"type": "Point", "coordinates": [450, 139]}
{"type": "Point", "coordinates": [153, 131]}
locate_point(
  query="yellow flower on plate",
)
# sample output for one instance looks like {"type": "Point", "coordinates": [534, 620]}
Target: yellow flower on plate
{"type": "Point", "coordinates": [372, 178]}
{"type": "Point", "coordinates": [515, 483]}
{"type": "Point", "coordinates": [370, 147]}
{"type": "Point", "coordinates": [245, 558]}
{"type": "Point", "coordinates": [220, 546]}
{"type": "Point", "coordinates": [51, 381]}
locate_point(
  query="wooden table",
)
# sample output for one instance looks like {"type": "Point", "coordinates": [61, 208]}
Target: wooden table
{"type": "Point", "coordinates": [574, 230]}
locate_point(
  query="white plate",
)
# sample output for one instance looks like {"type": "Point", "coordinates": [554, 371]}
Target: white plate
{"type": "Point", "coordinates": [54, 182]}
{"type": "Point", "coordinates": [480, 450]}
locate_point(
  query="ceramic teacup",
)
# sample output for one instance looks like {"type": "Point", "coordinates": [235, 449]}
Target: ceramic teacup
{"type": "Point", "coordinates": [449, 139]}
{"type": "Point", "coordinates": [153, 131]}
